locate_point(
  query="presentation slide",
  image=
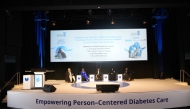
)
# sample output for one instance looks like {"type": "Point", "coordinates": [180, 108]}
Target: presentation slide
{"type": "Point", "coordinates": [38, 81]}
{"type": "Point", "coordinates": [98, 45]}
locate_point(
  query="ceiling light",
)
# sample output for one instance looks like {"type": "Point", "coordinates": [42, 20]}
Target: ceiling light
{"type": "Point", "coordinates": [90, 12]}
{"type": "Point", "coordinates": [53, 23]}
{"type": "Point", "coordinates": [145, 22]}
{"type": "Point", "coordinates": [88, 22]}
{"type": "Point", "coordinates": [112, 22]}
{"type": "Point", "coordinates": [109, 12]}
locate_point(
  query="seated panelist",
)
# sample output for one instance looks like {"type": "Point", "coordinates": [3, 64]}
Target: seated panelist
{"type": "Point", "coordinates": [98, 74]}
{"type": "Point", "coordinates": [112, 75]}
{"type": "Point", "coordinates": [84, 75]}
{"type": "Point", "coordinates": [70, 75]}
{"type": "Point", "coordinates": [127, 74]}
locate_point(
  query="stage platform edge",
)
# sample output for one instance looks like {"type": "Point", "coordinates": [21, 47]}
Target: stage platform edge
{"type": "Point", "coordinates": [177, 96]}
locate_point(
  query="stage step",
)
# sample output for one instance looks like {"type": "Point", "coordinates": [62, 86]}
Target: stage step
{"type": "Point", "coordinates": [15, 87]}
{"type": "Point", "coordinates": [4, 93]}
{"type": "Point", "coordinates": [4, 100]}
{"type": "Point", "coordinates": [4, 106]}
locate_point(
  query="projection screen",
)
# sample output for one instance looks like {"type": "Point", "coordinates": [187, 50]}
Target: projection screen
{"type": "Point", "coordinates": [98, 45]}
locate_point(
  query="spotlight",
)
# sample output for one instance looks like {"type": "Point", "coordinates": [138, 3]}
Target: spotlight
{"type": "Point", "coordinates": [90, 12]}
{"type": "Point", "coordinates": [53, 23]}
{"type": "Point", "coordinates": [112, 22]}
{"type": "Point", "coordinates": [109, 12]}
{"type": "Point", "coordinates": [46, 12]}
{"type": "Point", "coordinates": [188, 14]}
{"type": "Point", "coordinates": [145, 22]}
{"type": "Point", "coordinates": [88, 22]}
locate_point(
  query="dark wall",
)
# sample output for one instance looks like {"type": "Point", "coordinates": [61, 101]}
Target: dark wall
{"type": "Point", "coordinates": [10, 44]}
{"type": "Point", "coordinates": [175, 41]}
{"type": "Point", "coordinates": [142, 69]}
{"type": "Point", "coordinates": [183, 27]}
{"type": "Point", "coordinates": [13, 3]}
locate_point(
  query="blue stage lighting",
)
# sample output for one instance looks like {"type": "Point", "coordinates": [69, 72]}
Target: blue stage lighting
{"type": "Point", "coordinates": [158, 27]}
{"type": "Point", "coordinates": [41, 31]}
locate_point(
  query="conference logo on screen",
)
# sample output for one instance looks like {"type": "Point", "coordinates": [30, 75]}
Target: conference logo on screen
{"type": "Point", "coordinates": [62, 35]}
{"type": "Point", "coordinates": [137, 33]}
{"type": "Point", "coordinates": [26, 79]}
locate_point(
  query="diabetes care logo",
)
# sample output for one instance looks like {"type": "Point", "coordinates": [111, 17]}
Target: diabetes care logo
{"type": "Point", "coordinates": [26, 79]}
{"type": "Point", "coordinates": [91, 77]}
{"type": "Point", "coordinates": [38, 79]}
{"type": "Point", "coordinates": [119, 77]}
{"type": "Point", "coordinates": [63, 34]}
{"type": "Point", "coordinates": [78, 78]}
{"type": "Point", "coordinates": [137, 33]}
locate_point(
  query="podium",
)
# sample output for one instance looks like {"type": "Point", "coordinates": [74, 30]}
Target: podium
{"type": "Point", "coordinates": [39, 77]}
{"type": "Point", "coordinates": [79, 79]}
{"type": "Point", "coordinates": [119, 77]}
{"type": "Point", "coordinates": [28, 82]}
{"type": "Point", "coordinates": [91, 78]}
{"type": "Point", "coordinates": [105, 77]}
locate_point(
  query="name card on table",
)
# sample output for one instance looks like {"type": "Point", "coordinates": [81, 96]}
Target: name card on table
{"type": "Point", "coordinates": [79, 78]}
{"type": "Point", "coordinates": [105, 77]}
{"type": "Point", "coordinates": [91, 78]}
{"type": "Point", "coordinates": [119, 77]}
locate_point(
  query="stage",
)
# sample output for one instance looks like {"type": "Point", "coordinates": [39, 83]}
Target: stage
{"type": "Point", "coordinates": [146, 93]}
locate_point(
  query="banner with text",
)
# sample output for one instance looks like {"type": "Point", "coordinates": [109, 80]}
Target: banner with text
{"type": "Point", "coordinates": [151, 100]}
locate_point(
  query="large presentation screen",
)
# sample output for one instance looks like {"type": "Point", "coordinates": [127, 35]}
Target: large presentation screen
{"type": "Point", "coordinates": [98, 45]}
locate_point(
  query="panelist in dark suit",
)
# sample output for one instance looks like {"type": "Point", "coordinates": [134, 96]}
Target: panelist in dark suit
{"type": "Point", "coordinates": [84, 75]}
{"type": "Point", "coordinates": [127, 74]}
{"type": "Point", "coordinates": [98, 74]}
{"type": "Point", "coordinates": [112, 75]}
{"type": "Point", "coordinates": [70, 75]}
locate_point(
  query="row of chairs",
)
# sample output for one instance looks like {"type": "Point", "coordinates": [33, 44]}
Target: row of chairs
{"type": "Point", "coordinates": [112, 77]}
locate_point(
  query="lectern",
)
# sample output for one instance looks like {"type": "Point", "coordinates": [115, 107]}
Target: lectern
{"type": "Point", "coordinates": [39, 77]}
{"type": "Point", "coordinates": [28, 82]}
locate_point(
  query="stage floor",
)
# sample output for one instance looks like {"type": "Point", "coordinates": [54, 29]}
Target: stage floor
{"type": "Point", "coordinates": [136, 86]}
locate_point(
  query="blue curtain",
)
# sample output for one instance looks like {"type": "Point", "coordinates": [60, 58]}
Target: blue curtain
{"type": "Point", "coordinates": [158, 30]}
{"type": "Point", "coordinates": [41, 32]}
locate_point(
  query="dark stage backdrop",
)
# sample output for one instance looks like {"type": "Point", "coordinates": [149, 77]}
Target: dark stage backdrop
{"type": "Point", "coordinates": [174, 40]}
{"type": "Point", "coordinates": [10, 45]}
{"type": "Point", "coordinates": [18, 39]}
{"type": "Point", "coordinates": [141, 69]}
{"type": "Point", "coordinates": [182, 28]}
